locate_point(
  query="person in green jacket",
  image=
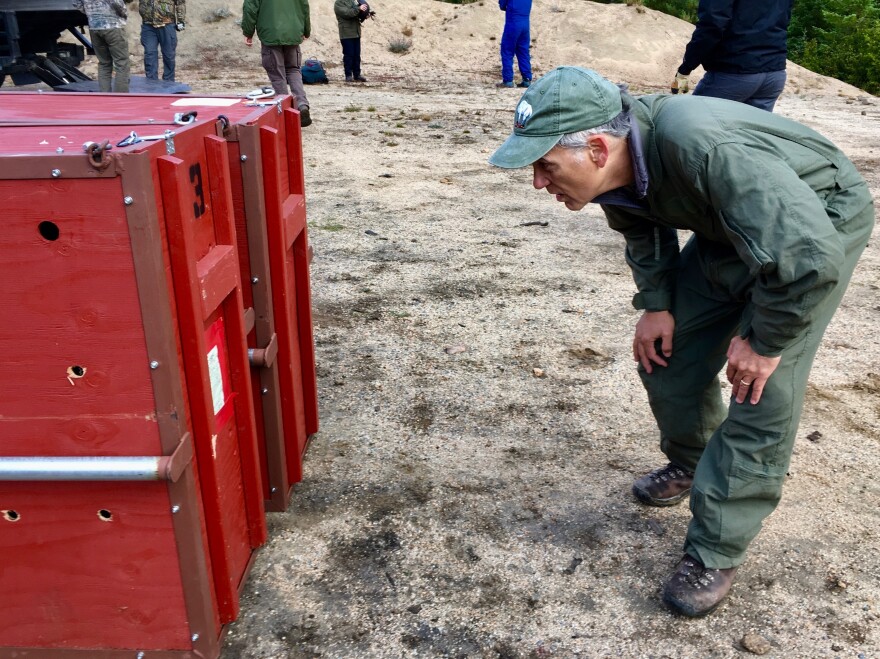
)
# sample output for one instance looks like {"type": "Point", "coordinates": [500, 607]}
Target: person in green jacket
{"type": "Point", "coordinates": [779, 219]}
{"type": "Point", "coordinates": [281, 25]}
{"type": "Point", "coordinates": [350, 14]}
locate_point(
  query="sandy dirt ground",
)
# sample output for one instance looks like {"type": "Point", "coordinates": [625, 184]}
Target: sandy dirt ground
{"type": "Point", "coordinates": [481, 417]}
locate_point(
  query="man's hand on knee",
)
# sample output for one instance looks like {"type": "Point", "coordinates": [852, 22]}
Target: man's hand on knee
{"type": "Point", "coordinates": [653, 325]}
{"type": "Point", "coordinates": [747, 370]}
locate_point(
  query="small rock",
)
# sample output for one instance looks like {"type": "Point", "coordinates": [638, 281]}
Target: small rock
{"type": "Point", "coordinates": [864, 114]}
{"type": "Point", "coordinates": [656, 527]}
{"type": "Point", "coordinates": [538, 372]}
{"type": "Point", "coordinates": [836, 647]}
{"type": "Point", "coordinates": [370, 232]}
{"type": "Point", "coordinates": [384, 175]}
{"type": "Point", "coordinates": [814, 436]}
{"type": "Point", "coordinates": [755, 643]}
{"type": "Point", "coordinates": [454, 350]}
{"type": "Point", "coordinates": [415, 608]}
{"type": "Point", "coordinates": [446, 180]}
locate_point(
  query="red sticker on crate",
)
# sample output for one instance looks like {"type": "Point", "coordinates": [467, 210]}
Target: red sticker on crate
{"type": "Point", "coordinates": [218, 372]}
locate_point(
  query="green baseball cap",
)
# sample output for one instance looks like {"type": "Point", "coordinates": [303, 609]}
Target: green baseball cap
{"type": "Point", "coordinates": [566, 100]}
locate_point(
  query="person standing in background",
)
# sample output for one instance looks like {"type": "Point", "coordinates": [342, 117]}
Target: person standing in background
{"type": "Point", "coordinates": [743, 46]}
{"type": "Point", "coordinates": [350, 14]}
{"type": "Point", "coordinates": [515, 40]}
{"type": "Point", "coordinates": [107, 30]}
{"type": "Point", "coordinates": [162, 20]}
{"type": "Point", "coordinates": [281, 25]}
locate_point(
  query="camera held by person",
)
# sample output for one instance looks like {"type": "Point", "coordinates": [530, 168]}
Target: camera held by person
{"type": "Point", "coordinates": [366, 13]}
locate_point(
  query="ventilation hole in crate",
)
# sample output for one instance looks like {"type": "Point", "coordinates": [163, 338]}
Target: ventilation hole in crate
{"type": "Point", "coordinates": [49, 230]}
{"type": "Point", "coordinates": [76, 371]}
{"type": "Point", "coordinates": [11, 515]}
{"type": "Point", "coordinates": [105, 515]}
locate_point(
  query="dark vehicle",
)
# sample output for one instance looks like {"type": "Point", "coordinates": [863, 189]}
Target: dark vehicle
{"type": "Point", "coordinates": [29, 47]}
{"type": "Point", "coordinates": [30, 50]}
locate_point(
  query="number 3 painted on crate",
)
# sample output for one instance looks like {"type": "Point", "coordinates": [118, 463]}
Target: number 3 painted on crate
{"type": "Point", "coordinates": [195, 176]}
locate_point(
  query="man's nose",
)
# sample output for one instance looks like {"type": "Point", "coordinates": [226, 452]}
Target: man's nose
{"type": "Point", "coordinates": [539, 181]}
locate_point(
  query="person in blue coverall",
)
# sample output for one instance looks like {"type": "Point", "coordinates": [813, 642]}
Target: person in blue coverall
{"type": "Point", "coordinates": [515, 41]}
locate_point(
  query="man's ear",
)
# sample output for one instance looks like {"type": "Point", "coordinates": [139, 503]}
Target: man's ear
{"type": "Point", "coordinates": [600, 148]}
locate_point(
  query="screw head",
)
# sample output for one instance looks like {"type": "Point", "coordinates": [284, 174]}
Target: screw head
{"type": "Point", "coordinates": [56, 173]}
{"type": "Point", "coordinates": [274, 490]}
{"type": "Point", "coordinates": [195, 637]}
{"type": "Point", "coordinates": [128, 201]}
{"type": "Point", "coordinates": [59, 150]}
{"type": "Point", "coordinates": [154, 364]}
{"type": "Point", "coordinates": [243, 158]}
{"type": "Point", "coordinates": [264, 391]}
{"type": "Point", "coordinates": [255, 280]}
{"type": "Point", "coordinates": [175, 509]}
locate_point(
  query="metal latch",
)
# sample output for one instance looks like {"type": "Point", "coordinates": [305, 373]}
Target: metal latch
{"type": "Point", "coordinates": [134, 138]}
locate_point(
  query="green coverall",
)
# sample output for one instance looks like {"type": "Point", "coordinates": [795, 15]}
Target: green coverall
{"type": "Point", "coordinates": [779, 218]}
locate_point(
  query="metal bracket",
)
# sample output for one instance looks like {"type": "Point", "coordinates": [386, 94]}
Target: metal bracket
{"type": "Point", "coordinates": [264, 357]}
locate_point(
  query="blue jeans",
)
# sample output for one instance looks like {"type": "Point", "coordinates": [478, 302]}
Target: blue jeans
{"type": "Point", "coordinates": [757, 89]}
{"type": "Point", "coordinates": [515, 40]}
{"type": "Point", "coordinates": [152, 38]}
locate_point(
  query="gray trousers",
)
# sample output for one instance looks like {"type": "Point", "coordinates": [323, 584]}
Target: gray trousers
{"type": "Point", "coordinates": [739, 452]}
{"type": "Point", "coordinates": [757, 89]}
{"type": "Point", "coordinates": [282, 64]}
{"type": "Point", "coordinates": [111, 48]}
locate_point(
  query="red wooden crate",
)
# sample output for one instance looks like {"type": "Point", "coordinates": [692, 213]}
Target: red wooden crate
{"type": "Point", "coordinates": [124, 336]}
{"type": "Point", "coordinates": [265, 153]}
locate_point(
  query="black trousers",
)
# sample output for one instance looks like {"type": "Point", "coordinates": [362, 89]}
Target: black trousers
{"type": "Point", "coordinates": [351, 57]}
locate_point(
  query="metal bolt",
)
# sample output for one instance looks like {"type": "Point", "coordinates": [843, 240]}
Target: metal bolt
{"type": "Point", "coordinates": [141, 655]}
{"type": "Point", "coordinates": [264, 391]}
{"type": "Point", "coordinates": [56, 173]}
{"type": "Point", "coordinates": [274, 490]}
{"type": "Point", "coordinates": [175, 509]}
{"type": "Point", "coordinates": [59, 150]}
{"type": "Point", "coordinates": [243, 158]}
{"type": "Point", "coordinates": [128, 201]}
{"type": "Point", "coordinates": [154, 365]}
{"type": "Point", "coordinates": [195, 637]}
{"type": "Point", "coordinates": [255, 280]}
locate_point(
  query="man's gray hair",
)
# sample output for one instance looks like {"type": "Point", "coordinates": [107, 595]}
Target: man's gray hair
{"type": "Point", "coordinates": [618, 127]}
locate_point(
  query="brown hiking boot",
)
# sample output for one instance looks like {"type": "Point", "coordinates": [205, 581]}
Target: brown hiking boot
{"type": "Point", "coordinates": [665, 486]}
{"type": "Point", "coordinates": [695, 590]}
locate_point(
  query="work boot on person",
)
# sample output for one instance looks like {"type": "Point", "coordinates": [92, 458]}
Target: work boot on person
{"type": "Point", "coordinates": [360, 79]}
{"type": "Point", "coordinates": [305, 117]}
{"type": "Point", "coordinates": [695, 590]}
{"type": "Point", "coordinates": [504, 85]}
{"type": "Point", "coordinates": [349, 78]}
{"type": "Point", "coordinates": [665, 486]}
{"type": "Point", "coordinates": [525, 83]}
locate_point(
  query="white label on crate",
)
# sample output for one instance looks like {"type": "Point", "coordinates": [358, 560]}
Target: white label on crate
{"type": "Point", "coordinates": [215, 102]}
{"type": "Point", "coordinates": [216, 374]}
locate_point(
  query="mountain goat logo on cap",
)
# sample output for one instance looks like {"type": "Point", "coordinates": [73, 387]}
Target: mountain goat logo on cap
{"type": "Point", "coordinates": [523, 114]}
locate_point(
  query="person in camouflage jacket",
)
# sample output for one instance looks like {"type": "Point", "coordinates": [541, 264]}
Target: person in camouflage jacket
{"type": "Point", "coordinates": [161, 21]}
{"type": "Point", "coordinates": [107, 30]}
